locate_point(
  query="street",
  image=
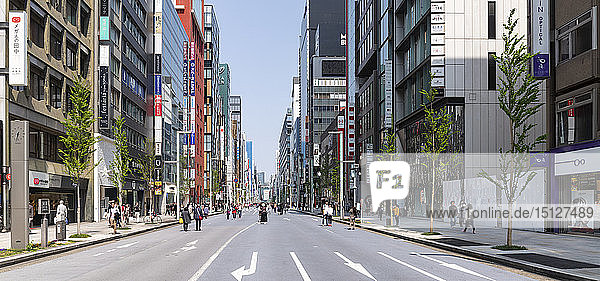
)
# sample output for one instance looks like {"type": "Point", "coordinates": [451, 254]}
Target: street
{"type": "Point", "coordinates": [289, 247]}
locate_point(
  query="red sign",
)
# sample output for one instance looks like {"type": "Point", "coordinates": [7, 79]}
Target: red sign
{"type": "Point", "coordinates": [36, 181]}
{"type": "Point", "coordinates": [16, 19]}
{"type": "Point", "coordinates": [157, 105]}
{"type": "Point", "coordinates": [8, 177]}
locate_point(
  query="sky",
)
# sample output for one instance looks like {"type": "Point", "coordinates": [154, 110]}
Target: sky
{"type": "Point", "coordinates": [259, 41]}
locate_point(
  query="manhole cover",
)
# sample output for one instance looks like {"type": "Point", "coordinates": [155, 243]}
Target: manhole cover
{"type": "Point", "coordinates": [551, 261]}
{"type": "Point", "coordinates": [459, 242]}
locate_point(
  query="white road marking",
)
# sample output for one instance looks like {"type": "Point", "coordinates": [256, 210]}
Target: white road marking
{"type": "Point", "coordinates": [192, 243]}
{"type": "Point", "coordinates": [241, 272]}
{"type": "Point", "coordinates": [453, 266]}
{"type": "Point", "coordinates": [185, 249]}
{"type": "Point", "coordinates": [127, 245]}
{"type": "Point", "coordinates": [212, 258]}
{"type": "Point", "coordinates": [98, 254]}
{"type": "Point", "coordinates": [356, 266]}
{"type": "Point", "coordinates": [177, 252]}
{"type": "Point", "coordinates": [329, 230]}
{"type": "Point", "coordinates": [300, 267]}
{"type": "Point", "coordinates": [315, 219]}
{"type": "Point", "coordinates": [111, 250]}
{"type": "Point", "coordinates": [412, 267]}
{"type": "Point", "coordinates": [286, 219]}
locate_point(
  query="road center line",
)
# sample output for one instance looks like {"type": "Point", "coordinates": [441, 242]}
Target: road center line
{"type": "Point", "coordinates": [412, 267]}
{"type": "Point", "coordinates": [212, 258]}
{"type": "Point", "coordinates": [303, 273]}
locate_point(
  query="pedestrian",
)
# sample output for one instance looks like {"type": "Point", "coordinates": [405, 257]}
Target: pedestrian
{"type": "Point", "coordinates": [240, 212]}
{"type": "Point", "coordinates": [114, 215]}
{"type": "Point", "coordinates": [396, 213]}
{"type": "Point", "coordinates": [469, 221]}
{"type": "Point", "coordinates": [136, 210]}
{"type": "Point", "coordinates": [324, 220]}
{"type": "Point", "coordinates": [185, 215]}
{"type": "Point", "coordinates": [462, 206]}
{"type": "Point", "coordinates": [380, 212]}
{"type": "Point", "coordinates": [353, 218]}
{"type": "Point", "coordinates": [329, 215]}
{"type": "Point", "coordinates": [206, 211]}
{"type": "Point", "coordinates": [452, 213]}
{"type": "Point", "coordinates": [198, 217]}
{"type": "Point", "coordinates": [228, 213]}
{"type": "Point", "coordinates": [234, 212]}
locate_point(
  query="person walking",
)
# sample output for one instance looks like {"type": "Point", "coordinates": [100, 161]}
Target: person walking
{"type": "Point", "coordinates": [185, 215]}
{"type": "Point", "coordinates": [461, 218]}
{"type": "Point", "coordinates": [240, 212]}
{"type": "Point", "coordinates": [206, 211]}
{"type": "Point", "coordinates": [452, 213]}
{"type": "Point", "coordinates": [228, 212]}
{"type": "Point", "coordinates": [469, 221]}
{"type": "Point", "coordinates": [136, 210]}
{"type": "Point", "coordinates": [234, 212]}
{"type": "Point", "coordinates": [396, 213]}
{"type": "Point", "coordinates": [380, 212]}
{"type": "Point", "coordinates": [353, 218]}
{"type": "Point", "coordinates": [325, 219]}
{"type": "Point", "coordinates": [114, 216]}
{"type": "Point", "coordinates": [198, 217]}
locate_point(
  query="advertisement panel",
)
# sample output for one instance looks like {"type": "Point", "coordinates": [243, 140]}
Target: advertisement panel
{"type": "Point", "coordinates": [388, 95]}
{"type": "Point", "coordinates": [17, 31]}
{"type": "Point", "coordinates": [104, 27]}
{"type": "Point", "coordinates": [192, 65]}
{"type": "Point", "coordinates": [540, 25]}
{"type": "Point", "coordinates": [104, 120]}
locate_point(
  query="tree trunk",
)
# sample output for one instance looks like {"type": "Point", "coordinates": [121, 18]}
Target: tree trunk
{"type": "Point", "coordinates": [78, 207]}
{"type": "Point", "coordinates": [509, 229]}
{"type": "Point", "coordinates": [432, 197]}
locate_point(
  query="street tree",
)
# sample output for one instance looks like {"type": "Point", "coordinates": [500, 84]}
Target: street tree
{"type": "Point", "coordinates": [518, 98]}
{"type": "Point", "coordinates": [436, 136]}
{"type": "Point", "coordinates": [121, 161]}
{"type": "Point", "coordinates": [78, 140]}
{"type": "Point", "coordinates": [145, 167]}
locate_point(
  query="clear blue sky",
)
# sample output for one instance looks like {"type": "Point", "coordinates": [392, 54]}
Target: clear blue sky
{"type": "Point", "coordinates": [259, 40]}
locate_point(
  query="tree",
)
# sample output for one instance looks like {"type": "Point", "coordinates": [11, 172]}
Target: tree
{"type": "Point", "coordinates": [79, 140]}
{"type": "Point", "coordinates": [437, 134]}
{"type": "Point", "coordinates": [119, 165]}
{"type": "Point", "coordinates": [185, 182]}
{"type": "Point", "coordinates": [146, 167]}
{"type": "Point", "coordinates": [518, 97]}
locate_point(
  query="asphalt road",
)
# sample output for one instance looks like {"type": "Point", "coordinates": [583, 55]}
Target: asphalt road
{"type": "Point", "coordinates": [289, 247]}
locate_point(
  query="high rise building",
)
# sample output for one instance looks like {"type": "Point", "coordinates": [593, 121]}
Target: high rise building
{"type": "Point", "coordinates": [225, 128]}
{"type": "Point", "coordinates": [190, 12]}
{"type": "Point", "coordinates": [284, 157]}
{"type": "Point", "coordinates": [237, 145]}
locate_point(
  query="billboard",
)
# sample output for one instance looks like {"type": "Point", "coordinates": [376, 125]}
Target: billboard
{"type": "Point", "coordinates": [17, 32]}
{"type": "Point", "coordinates": [540, 26]}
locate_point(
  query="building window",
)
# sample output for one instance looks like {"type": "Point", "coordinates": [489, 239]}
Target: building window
{"type": "Point", "coordinates": [55, 93]}
{"type": "Point", "coordinates": [491, 71]}
{"type": "Point", "coordinates": [575, 120]}
{"type": "Point", "coordinates": [84, 62]}
{"type": "Point", "coordinates": [71, 11]}
{"type": "Point", "coordinates": [85, 21]}
{"type": "Point", "coordinates": [115, 5]}
{"type": "Point", "coordinates": [576, 37]}
{"type": "Point", "coordinates": [491, 20]}
{"type": "Point", "coordinates": [115, 35]}
{"type": "Point", "coordinates": [34, 144]}
{"type": "Point", "coordinates": [56, 4]}
{"type": "Point", "coordinates": [55, 43]}
{"type": "Point", "coordinates": [38, 26]}
{"type": "Point", "coordinates": [71, 55]}
{"type": "Point", "coordinates": [37, 78]}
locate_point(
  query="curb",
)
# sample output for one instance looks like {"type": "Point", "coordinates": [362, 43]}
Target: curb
{"type": "Point", "coordinates": [514, 263]}
{"type": "Point", "coordinates": [53, 251]}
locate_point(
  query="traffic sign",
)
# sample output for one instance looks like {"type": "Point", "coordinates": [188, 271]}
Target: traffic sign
{"type": "Point", "coordinates": [7, 177]}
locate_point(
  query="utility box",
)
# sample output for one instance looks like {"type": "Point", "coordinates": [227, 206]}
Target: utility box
{"type": "Point", "coordinates": [61, 230]}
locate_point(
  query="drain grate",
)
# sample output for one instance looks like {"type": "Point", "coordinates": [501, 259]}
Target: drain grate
{"type": "Point", "coordinates": [551, 261]}
{"type": "Point", "coordinates": [459, 242]}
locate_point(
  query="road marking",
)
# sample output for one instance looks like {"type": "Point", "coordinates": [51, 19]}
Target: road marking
{"type": "Point", "coordinates": [98, 254]}
{"type": "Point", "coordinates": [315, 219]}
{"type": "Point", "coordinates": [212, 258]}
{"type": "Point", "coordinates": [185, 249]}
{"type": "Point", "coordinates": [356, 266]}
{"type": "Point", "coordinates": [286, 219]}
{"type": "Point", "coordinates": [241, 272]}
{"type": "Point", "coordinates": [412, 267]}
{"type": "Point", "coordinates": [177, 252]}
{"type": "Point", "coordinates": [329, 230]}
{"type": "Point", "coordinates": [300, 267]}
{"type": "Point", "coordinates": [112, 250]}
{"type": "Point", "coordinates": [127, 245]}
{"type": "Point", "coordinates": [453, 266]}
{"type": "Point", "coordinates": [192, 243]}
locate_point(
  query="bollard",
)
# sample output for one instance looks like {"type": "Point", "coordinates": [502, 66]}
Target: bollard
{"type": "Point", "coordinates": [44, 232]}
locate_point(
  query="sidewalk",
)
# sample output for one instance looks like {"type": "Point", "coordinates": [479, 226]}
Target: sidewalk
{"type": "Point", "coordinates": [561, 256]}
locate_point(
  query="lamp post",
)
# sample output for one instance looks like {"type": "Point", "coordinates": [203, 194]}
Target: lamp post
{"type": "Point", "coordinates": [178, 203]}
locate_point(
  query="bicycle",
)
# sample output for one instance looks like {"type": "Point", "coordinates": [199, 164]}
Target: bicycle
{"type": "Point", "coordinates": [153, 218]}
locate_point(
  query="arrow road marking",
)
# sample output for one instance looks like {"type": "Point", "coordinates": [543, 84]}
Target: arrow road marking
{"type": "Point", "coordinates": [241, 272]}
{"type": "Point", "coordinates": [192, 243]}
{"type": "Point", "coordinates": [185, 249]}
{"type": "Point", "coordinates": [300, 267]}
{"type": "Point", "coordinates": [212, 258]}
{"type": "Point", "coordinates": [453, 266]}
{"type": "Point", "coordinates": [356, 266]}
{"type": "Point", "coordinates": [412, 267]}
{"type": "Point", "coordinates": [127, 245]}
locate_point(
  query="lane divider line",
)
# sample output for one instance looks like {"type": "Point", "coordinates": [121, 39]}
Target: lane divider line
{"type": "Point", "coordinates": [412, 267]}
{"type": "Point", "coordinates": [303, 273]}
{"type": "Point", "coordinates": [212, 258]}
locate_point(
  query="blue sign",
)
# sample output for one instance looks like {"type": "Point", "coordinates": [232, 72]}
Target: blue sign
{"type": "Point", "coordinates": [541, 66]}
{"type": "Point", "coordinates": [193, 139]}
{"type": "Point", "coordinates": [157, 85]}
{"type": "Point", "coordinates": [192, 77]}
{"type": "Point", "coordinates": [104, 26]}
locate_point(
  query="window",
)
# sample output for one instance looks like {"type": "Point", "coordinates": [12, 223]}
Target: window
{"type": "Point", "coordinates": [55, 43]}
{"type": "Point", "coordinates": [575, 120]}
{"type": "Point", "coordinates": [115, 5]}
{"type": "Point", "coordinates": [38, 27]}
{"type": "Point", "coordinates": [491, 20]}
{"type": "Point", "coordinates": [115, 35]}
{"type": "Point", "coordinates": [115, 66]}
{"type": "Point", "coordinates": [84, 62]}
{"type": "Point", "coordinates": [135, 58]}
{"type": "Point", "coordinates": [34, 144]}
{"type": "Point", "coordinates": [56, 4]}
{"type": "Point", "coordinates": [137, 8]}
{"type": "Point", "coordinates": [85, 20]}
{"type": "Point", "coordinates": [133, 111]}
{"type": "Point", "coordinates": [68, 98]}
{"type": "Point", "coordinates": [50, 146]}
{"type": "Point", "coordinates": [491, 72]}
{"type": "Point", "coordinates": [55, 93]}
{"type": "Point", "coordinates": [37, 78]}
{"type": "Point", "coordinates": [71, 11]}
{"type": "Point", "coordinates": [71, 55]}
{"type": "Point", "coordinates": [575, 37]}
{"type": "Point", "coordinates": [137, 34]}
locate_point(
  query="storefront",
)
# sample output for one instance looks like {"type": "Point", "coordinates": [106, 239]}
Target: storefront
{"type": "Point", "coordinates": [577, 182]}
{"type": "Point", "coordinates": [56, 187]}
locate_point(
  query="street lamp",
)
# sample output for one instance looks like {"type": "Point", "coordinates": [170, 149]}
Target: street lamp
{"type": "Point", "coordinates": [341, 145]}
{"type": "Point", "coordinates": [178, 171]}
